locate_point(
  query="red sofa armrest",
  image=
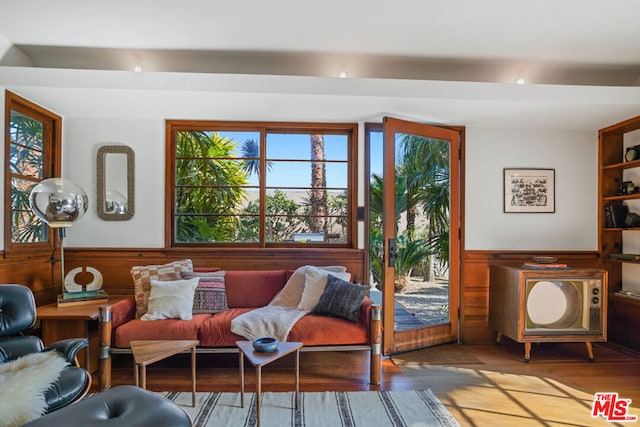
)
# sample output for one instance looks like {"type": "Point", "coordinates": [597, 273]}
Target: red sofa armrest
{"type": "Point", "coordinates": [364, 315]}
{"type": "Point", "coordinates": [122, 311]}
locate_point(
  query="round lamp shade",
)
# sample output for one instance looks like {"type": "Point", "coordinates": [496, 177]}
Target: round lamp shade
{"type": "Point", "coordinates": [59, 202]}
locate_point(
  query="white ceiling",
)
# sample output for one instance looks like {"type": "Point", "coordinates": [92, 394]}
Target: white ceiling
{"type": "Point", "coordinates": [433, 60]}
{"type": "Point", "coordinates": [542, 41]}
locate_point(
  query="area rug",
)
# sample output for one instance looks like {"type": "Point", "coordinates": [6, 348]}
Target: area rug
{"type": "Point", "coordinates": [447, 354]}
{"type": "Point", "coordinates": [415, 408]}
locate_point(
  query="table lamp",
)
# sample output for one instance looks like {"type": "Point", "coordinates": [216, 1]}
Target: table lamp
{"type": "Point", "coordinates": [59, 202]}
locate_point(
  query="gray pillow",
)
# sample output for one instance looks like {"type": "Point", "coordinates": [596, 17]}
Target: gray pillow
{"type": "Point", "coordinates": [340, 299]}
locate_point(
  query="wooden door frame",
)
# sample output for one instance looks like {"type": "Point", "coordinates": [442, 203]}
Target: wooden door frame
{"type": "Point", "coordinates": [442, 333]}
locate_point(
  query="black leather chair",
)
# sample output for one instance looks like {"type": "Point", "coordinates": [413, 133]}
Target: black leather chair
{"type": "Point", "coordinates": [122, 406]}
{"type": "Point", "coordinates": [18, 313]}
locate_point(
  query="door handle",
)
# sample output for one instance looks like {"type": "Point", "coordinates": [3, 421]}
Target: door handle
{"type": "Point", "coordinates": [393, 252]}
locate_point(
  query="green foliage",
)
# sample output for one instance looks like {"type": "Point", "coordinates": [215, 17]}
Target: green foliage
{"type": "Point", "coordinates": [410, 254]}
{"type": "Point", "coordinates": [25, 158]}
{"type": "Point", "coordinates": [376, 254]}
{"type": "Point", "coordinates": [421, 182]}
{"type": "Point", "coordinates": [336, 214]}
{"type": "Point", "coordinates": [282, 218]}
{"type": "Point", "coordinates": [208, 187]}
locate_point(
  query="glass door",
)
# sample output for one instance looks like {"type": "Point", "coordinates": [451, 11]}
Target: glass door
{"type": "Point", "coordinates": [419, 244]}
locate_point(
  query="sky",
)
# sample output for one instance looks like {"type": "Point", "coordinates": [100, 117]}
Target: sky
{"type": "Point", "coordinates": [289, 175]}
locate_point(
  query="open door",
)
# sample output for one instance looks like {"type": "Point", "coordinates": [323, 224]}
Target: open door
{"type": "Point", "coordinates": [420, 221]}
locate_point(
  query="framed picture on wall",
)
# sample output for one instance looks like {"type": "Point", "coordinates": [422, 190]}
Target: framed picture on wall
{"type": "Point", "coordinates": [529, 190]}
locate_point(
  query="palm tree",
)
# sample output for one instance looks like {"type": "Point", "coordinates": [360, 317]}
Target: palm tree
{"type": "Point", "coordinates": [251, 154]}
{"type": "Point", "coordinates": [421, 181]}
{"type": "Point", "coordinates": [426, 167]}
{"type": "Point", "coordinates": [25, 160]}
{"type": "Point", "coordinates": [318, 196]}
{"type": "Point", "coordinates": [376, 242]}
{"type": "Point", "coordinates": [209, 191]}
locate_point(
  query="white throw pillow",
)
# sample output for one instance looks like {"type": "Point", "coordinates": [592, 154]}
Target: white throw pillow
{"type": "Point", "coordinates": [315, 280]}
{"type": "Point", "coordinates": [291, 293]}
{"type": "Point", "coordinates": [172, 299]}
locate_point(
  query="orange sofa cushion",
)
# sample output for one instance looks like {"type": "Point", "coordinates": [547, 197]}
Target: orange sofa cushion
{"type": "Point", "coordinates": [315, 329]}
{"type": "Point", "coordinates": [166, 329]}
{"type": "Point", "coordinates": [216, 330]}
{"type": "Point", "coordinates": [253, 289]}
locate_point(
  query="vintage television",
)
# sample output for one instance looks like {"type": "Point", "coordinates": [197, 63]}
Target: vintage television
{"type": "Point", "coordinates": [560, 306]}
{"type": "Point", "coordinates": [529, 305]}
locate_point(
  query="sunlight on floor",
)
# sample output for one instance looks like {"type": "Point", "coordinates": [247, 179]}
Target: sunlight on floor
{"type": "Point", "coordinates": [499, 399]}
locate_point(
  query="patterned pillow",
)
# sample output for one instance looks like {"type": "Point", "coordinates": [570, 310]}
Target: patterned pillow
{"type": "Point", "coordinates": [142, 276]}
{"type": "Point", "coordinates": [340, 299]}
{"type": "Point", "coordinates": [315, 280]}
{"type": "Point", "coordinates": [210, 296]}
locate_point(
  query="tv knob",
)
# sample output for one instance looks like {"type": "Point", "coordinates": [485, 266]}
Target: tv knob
{"type": "Point", "coordinates": [595, 291]}
{"type": "Point", "coordinates": [595, 300]}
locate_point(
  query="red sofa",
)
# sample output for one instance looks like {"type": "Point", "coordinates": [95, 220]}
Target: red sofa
{"type": "Point", "coordinates": [245, 291]}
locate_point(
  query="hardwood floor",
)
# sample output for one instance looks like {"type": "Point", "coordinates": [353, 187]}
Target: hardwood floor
{"type": "Point", "coordinates": [555, 389]}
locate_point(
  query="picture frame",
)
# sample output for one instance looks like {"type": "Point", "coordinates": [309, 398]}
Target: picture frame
{"type": "Point", "coordinates": [529, 190]}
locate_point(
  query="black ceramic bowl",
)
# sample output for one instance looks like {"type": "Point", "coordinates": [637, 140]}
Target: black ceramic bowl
{"type": "Point", "coordinates": [265, 345]}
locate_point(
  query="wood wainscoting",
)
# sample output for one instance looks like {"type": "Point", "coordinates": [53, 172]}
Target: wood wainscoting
{"type": "Point", "coordinates": [474, 286]}
{"type": "Point", "coordinates": [37, 269]}
{"type": "Point", "coordinates": [37, 272]}
{"type": "Point", "coordinates": [115, 263]}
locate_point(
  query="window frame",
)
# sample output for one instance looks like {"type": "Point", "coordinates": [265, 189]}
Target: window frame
{"type": "Point", "coordinates": [263, 128]}
{"type": "Point", "coordinates": [51, 163]}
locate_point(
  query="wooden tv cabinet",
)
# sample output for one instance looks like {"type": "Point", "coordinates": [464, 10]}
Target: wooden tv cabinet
{"type": "Point", "coordinates": [510, 314]}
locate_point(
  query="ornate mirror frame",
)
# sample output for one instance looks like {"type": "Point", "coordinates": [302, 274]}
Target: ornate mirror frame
{"type": "Point", "coordinates": [101, 179]}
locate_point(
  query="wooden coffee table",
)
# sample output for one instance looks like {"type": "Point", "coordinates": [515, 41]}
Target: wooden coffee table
{"type": "Point", "coordinates": [146, 352]}
{"type": "Point", "coordinates": [259, 359]}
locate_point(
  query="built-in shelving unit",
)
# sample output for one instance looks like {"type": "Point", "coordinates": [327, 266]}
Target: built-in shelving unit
{"type": "Point", "coordinates": [624, 276]}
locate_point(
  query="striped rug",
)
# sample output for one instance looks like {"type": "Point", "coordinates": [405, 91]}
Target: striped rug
{"type": "Point", "coordinates": [415, 408]}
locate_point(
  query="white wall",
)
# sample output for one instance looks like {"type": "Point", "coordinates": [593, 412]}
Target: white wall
{"type": "Point", "coordinates": [506, 126]}
{"type": "Point", "coordinates": [573, 155]}
{"type": "Point", "coordinates": [81, 139]}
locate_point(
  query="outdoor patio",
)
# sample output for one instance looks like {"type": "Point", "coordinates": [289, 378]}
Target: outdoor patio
{"type": "Point", "coordinates": [422, 303]}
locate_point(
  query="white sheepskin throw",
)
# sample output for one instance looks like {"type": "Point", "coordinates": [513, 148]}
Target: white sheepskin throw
{"type": "Point", "coordinates": [22, 385]}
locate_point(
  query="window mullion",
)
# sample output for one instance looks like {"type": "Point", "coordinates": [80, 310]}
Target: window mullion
{"type": "Point", "coordinates": [263, 189]}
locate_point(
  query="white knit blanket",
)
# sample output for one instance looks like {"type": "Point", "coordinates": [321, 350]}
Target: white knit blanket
{"type": "Point", "coordinates": [268, 321]}
{"type": "Point", "coordinates": [276, 319]}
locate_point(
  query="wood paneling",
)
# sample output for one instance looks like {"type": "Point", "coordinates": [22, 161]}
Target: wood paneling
{"type": "Point", "coordinates": [35, 270]}
{"type": "Point", "coordinates": [474, 286]}
{"type": "Point", "coordinates": [114, 264]}
{"type": "Point", "coordinates": [622, 318]}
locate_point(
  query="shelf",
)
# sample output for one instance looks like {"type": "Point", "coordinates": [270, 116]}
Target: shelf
{"type": "Point", "coordinates": [620, 228]}
{"type": "Point", "coordinates": [623, 311]}
{"type": "Point", "coordinates": [622, 165]}
{"type": "Point", "coordinates": [622, 261]}
{"type": "Point", "coordinates": [621, 197]}
{"type": "Point", "coordinates": [624, 298]}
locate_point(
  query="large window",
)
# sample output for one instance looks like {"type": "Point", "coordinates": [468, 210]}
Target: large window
{"type": "Point", "coordinates": [30, 137]}
{"type": "Point", "coordinates": [260, 184]}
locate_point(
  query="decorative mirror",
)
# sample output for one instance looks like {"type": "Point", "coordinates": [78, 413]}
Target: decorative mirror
{"type": "Point", "coordinates": [115, 179]}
